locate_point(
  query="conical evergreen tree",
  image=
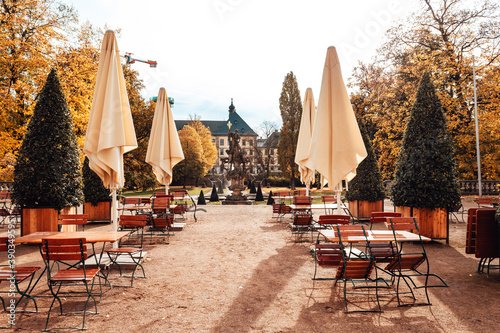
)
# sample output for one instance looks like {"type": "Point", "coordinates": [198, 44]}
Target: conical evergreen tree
{"type": "Point", "coordinates": [367, 185]}
{"type": "Point", "coordinates": [426, 170]}
{"type": "Point", "coordinates": [47, 173]}
{"type": "Point", "coordinates": [259, 196]}
{"type": "Point", "coordinates": [93, 189]}
{"type": "Point", "coordinates": [252, 188]}
{"type": "Point", "coordinates": [201, 198]}
{"type": "Point", "coordinates": [214, 196]}
{"type": "Point", "coordinates": [270, 199]}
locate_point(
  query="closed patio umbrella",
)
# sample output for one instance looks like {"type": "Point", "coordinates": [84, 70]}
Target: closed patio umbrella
{"type": "Point", "coordinates": [305, 132]}
{"type": "Point", "coordinates": [164, 147]}
{"type": "Point", "coordinates": [110, 130]}
{"type": "Point", "coordinates": [336, 146]}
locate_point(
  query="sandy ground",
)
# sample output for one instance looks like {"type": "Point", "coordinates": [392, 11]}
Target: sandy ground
{"type": "Point", "coordinates": [239, 270]}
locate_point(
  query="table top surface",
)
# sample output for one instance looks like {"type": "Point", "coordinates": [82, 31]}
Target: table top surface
{"type": "Point", "coordinates": [90, 236]}
{"type": "Point", "coordinates": [316, 206]}
{"type": "Point", "coordinates": [375, 236]}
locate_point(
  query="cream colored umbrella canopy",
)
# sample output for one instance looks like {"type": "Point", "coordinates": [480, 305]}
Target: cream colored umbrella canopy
{"type": "Point", "coordinates": [110, 130]}
{"type": "Point", "coordinates": [304, 140]}
{"type": "Point", "coordinates": [336, 146]}
{"type": "Point", "coordinates": [164, 147]}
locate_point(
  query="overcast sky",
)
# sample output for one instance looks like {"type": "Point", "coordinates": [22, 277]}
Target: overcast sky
{"type": "Point", "coordinates": [209, 51]}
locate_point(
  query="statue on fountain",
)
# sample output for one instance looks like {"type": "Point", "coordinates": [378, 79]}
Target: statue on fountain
{"type": "Point", "coordinates": [235, 167]}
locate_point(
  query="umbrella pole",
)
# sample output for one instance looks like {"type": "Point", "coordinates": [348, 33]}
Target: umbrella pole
{"type": "Point", "coordinates": [308, 186]}
{"type": "Point", "coordinates": [338, 190]}
{"type": "Point", "coordinates": [114, 208]}
{"type": "Point", "coordinates": [166, 189]}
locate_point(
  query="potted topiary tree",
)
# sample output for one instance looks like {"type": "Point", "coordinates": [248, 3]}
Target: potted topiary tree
{"type": "Point", "coordinates": [97, 204]}
{"type": "Point", "coordinates": [366, 191]}
{"type": "Point", "coordinates": [425, 183]}
{"type": "Point", "coordinates": [47, 175]}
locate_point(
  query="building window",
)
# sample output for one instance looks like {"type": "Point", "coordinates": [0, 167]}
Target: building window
{"type": "Point", "coordinates": [251, 152]}
{"type": "Point", "coordinates": [271, 151]}
{"type": "Point", "coordinates": [221, 152]}
{"type": "Point", "coordinates": [213, 140]}
{"type": "Point", "coordinates": [244, 143]}
{"type": "Point", "coordinates": [250, 142]}
{"type": "Point", "coordinates": [222, 142]}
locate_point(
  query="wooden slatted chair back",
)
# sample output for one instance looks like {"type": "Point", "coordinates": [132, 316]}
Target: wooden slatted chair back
{"type": "Point", "coordinates": [180, 194]}
{"type": "Point", "coordinates": [64, 249]}
{"type": "Point", "coordinates": [302, 220]}
{"type": "Point", "coordinates": [180, 208]}
{"type": "Point", "coordinates": [283, 194]}
{"type": "Point", "coordinates": [161, 203]}
{"type": "Point", "coordinates": [72, 219]}
{"type": "Point", "coordinates": [344, 231]}
{"type": "Point", "coordinates": [329, 199]}
{"type": "Point", "coordinates": [133, 221]}
{"type": "Point", "coordinates": [302, 200]}
{"type": "Point", "coordinates": [403, 224]}
{"type": "Point", "coordinates": [299, 192]}
{"type": "Point", "coordinates": [355, 269]}
{"type": "Point", "coordinates": [328, 254]}
{"type": "Point", "coordinates": [409, 261]}
{"type": "Point", "coordinates": [381, 217]}
{"type": "Point", "coordinates": [483, 201]}
{"type": "Point", "coordinates": [333, 219]}
{"type": "Point", "coordinates": [163, 222]}
{"type": "Point", "coordinates": [131, 201]}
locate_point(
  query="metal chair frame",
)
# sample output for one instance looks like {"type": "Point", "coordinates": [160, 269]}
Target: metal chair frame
{"type": "Point", "coordinates": [60, 251]}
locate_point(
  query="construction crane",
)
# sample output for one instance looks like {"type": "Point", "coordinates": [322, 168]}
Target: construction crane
{"type": "Point", "coordinates": [130, 60]}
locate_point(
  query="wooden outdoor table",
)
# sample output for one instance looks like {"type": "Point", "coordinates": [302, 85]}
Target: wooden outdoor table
{"type": "Point", "coordinates": [305, 208]}
{"type": "Point", "coordinates": [91, 236]}
{"type": "Point", "coordinates": [375, 236]}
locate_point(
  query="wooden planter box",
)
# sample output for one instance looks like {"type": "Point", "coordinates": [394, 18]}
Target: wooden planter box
{"type": "Point", "coordinates": [432, 222]}
{"type": "Point", "coordinates": [364, 209]}
{"type": "Point", "coordinates": [38, 219]}
{"type": "Point", "coordinates": [101, 212]}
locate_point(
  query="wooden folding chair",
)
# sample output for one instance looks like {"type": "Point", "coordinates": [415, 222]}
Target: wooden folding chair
{"type": "Point", "coordinates": [161, 206]}
{"type": "Point", "coordinates": [162, 226]}
{"type": "Point", "coordinates": [130, 205]}
{"type": "Point", "coordinates": [129, 256]}
{"type": "Point", "coordinates": [14, 275]}
{"type": "Point", "coordinates": [59, 253]}
{"type": "Point", "coordinates": [326, 199]}
{"type": "Point", "coordinates": [356, 269]}
{"type": "Point", "coordinates": [283, 196]}
{"type": "Point", "coordinates": [327, 255]}
{"type": "Point", "coordinates": [406, 265]}
{"type": "Point", "coordinates": [301, 225]}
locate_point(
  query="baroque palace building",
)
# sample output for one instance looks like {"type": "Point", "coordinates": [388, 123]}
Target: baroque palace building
{"type": "Point", "coordinates": [249, 140]}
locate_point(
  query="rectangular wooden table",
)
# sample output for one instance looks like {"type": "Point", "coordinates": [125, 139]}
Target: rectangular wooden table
{"type": "Point", "coordinates": [91, 236]}
{"type": "Point", "coordinates": [375, 236]}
